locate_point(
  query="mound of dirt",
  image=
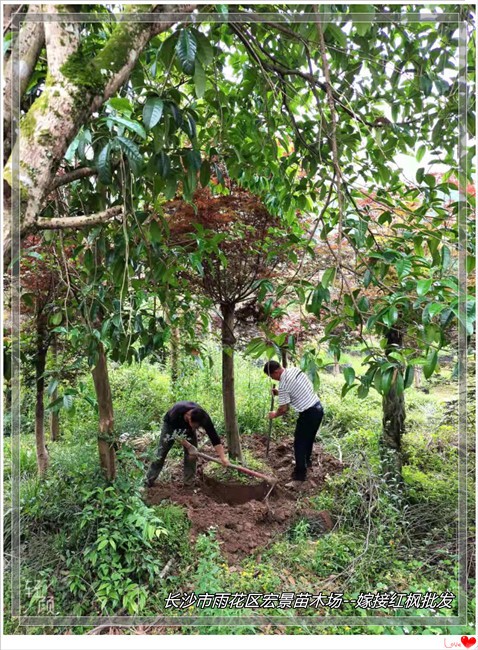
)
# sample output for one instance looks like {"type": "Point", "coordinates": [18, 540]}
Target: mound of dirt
{"type": "Point", "coordinates": [244, 527]}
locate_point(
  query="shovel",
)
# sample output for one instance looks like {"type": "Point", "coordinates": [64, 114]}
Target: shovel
{"type": "Point", "coordinates": [192, 450]}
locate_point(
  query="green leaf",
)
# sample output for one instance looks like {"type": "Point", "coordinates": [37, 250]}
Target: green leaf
{"type": "Point", "coordinates": [186, 49]}
{"type": "Point", "coordinates": [367, 278]}
{"type": "Point", "coordinates": [421, 152]}
{"type": "Point", "coordinates": [103, 165]}
{"type": "Point", "coordinates": [423, 287]}
{"type": "Point", "coordinates": [170, 188]}
{"type": "Point", "coordinates": [362, 25]}
{"type": "Point", "coordinates": [205, 52]}
{"type": "Point", "coordinates": [403, 266]}
{"type": "Point", "coordinates": [387, 377]}
{"type": "Point", "coordinates": [155, 232]}
{"type": "Point", "coordinates": [399, 385]}
{"type": "Point", "coordinates": [377, 381]}
{"type": "Point", "coordinates": [470, 263]}
{"type": "Point", "coordinates": [133, 154]}
{"type": "Point", "coordinates": [56, 318]}
{"type": "Point", "coordinates": [129, 124]}
{"type": "Point", "coordinates": [337, 34]}
{"type": "Point", "coordinates": [120, 104]}
{"type": "Point", "coordinates": [205, 173]}
{"type": "Point", "coordinates": [163, 164]}
{"type": "Point", "coordinates": [88, 260]}
{"type": "Point", "coordinates": [152, 111]}
{"type": "Point", "coordinates": [445, 258]}
{"type": "Point", "coordinates": [409, 375]}
{"type": "Point", "coordinates": [28, 299]}
{"type": "Point", "coordinates": [362, 391]}
{"type": "Point", "coordinates": [430, 363]}
{"type": "Point", "coordinates": [53, 385]}
{"type": "Point", "coordinates": [390, 316]}
{"type": "Point", "coordinates": [199, 80]}
{"type": "Point", "coordinates": [328, 277]}
{"type": "Point", "coordinates": [434, 308]}
{"type": "Point", "coordinates": [349, 374]}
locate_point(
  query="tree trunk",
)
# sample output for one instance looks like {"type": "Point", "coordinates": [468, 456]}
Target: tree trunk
{"type": "Point", "coordinates": [393, 421]}
{"type": "Point", "coordinates": [30, 43]}
{"type": "Point", "coordinates": [174, 360]}
{"type": "Point", "coordinates": [105, 408]}
{"type": "Point", "coordinates": [283, 354]}
{"type": "Point", "coordinates": [418, 376]}
{"type": "Point", "coordinates": [336, 366]}
{"type": "Point", "coordinates": [228, 392]}
{"type": "Point", "coordinates": [54, 416]}
{"type": "Point", "coordinates": [40, 363]}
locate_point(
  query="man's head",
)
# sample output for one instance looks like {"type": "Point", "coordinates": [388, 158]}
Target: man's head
{"type": "Point", "coordinates": [196, 418]}
{"type": "Point", "coordinates": [274, 370]}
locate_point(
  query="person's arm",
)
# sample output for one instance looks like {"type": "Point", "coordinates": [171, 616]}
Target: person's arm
{"type": "Point", "coordinates": [282, 410]}
{"type": "Point", "coordinates": [284, 400]}
{"type": "Point", "coordinates": [216, 442]}
{"type": "Point", "coordinates": [222, 455]}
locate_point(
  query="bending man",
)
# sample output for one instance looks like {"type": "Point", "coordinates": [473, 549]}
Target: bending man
{"type": "Point", "coordinates": [184, 418]}
{"type": "Point", "coordinates": [296, 389]}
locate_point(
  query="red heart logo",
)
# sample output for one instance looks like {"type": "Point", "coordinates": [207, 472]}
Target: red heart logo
{"type": "Point", "coordinates": [468, 641]}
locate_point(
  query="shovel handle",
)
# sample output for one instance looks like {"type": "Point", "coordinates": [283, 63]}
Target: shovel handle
{"type": "Point", "coordinates": [270, 427]}
{"type": "Point", "coordinates": [191, 449]}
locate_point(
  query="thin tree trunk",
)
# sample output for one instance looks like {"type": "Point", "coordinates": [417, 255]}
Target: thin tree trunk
{"type": "Point", "coordinates": [336, 365]}
{"type": "Point", "coordinates": [40, 363]}
{"type": "Point", "coordinates": [418, 376]}
{"type": "Point", "coordinates": [105, 407]}
{"type": "Point", "coordinates": [228, 391]}
{"type": "Point", "coordinates": [174, 359]}
{"type": "Point", "coordinates": [54, 416]}
{"type": "Point", "coordinates": [393, 421]}
{"type": "Point", "coordinates": [283, 353]}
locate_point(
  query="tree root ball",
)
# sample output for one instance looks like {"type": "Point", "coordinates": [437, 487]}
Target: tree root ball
{"type": "Point", "coordinates": [230, 486]}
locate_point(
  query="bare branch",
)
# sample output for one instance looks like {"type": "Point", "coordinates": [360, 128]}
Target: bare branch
{"type": "Point", "coordinates": [69, 177]}
{"type": "Point", "coordinates": [78, 222]}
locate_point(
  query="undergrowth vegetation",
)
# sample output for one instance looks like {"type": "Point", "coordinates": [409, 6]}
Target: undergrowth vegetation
{"type": "Point", "coordinates": [89, 548]}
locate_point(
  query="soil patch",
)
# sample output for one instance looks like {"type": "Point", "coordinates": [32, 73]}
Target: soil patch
{"type": "Point", "coordinates": [244, 526]}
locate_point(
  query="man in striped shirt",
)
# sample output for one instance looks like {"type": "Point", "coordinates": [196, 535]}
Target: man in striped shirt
{"type": "Point", "coordinates": [296, 389]}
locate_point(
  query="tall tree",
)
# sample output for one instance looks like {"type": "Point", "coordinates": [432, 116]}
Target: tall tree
{"type": "Point", "coordinates": [240, 247]}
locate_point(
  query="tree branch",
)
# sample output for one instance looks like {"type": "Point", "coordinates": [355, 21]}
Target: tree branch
{"type": "Point", "coordinates": [333, 137]}
{"type": "Point", "coordinates": [83, 221]}
{"type": "Point", "coordinates": [74, 175]}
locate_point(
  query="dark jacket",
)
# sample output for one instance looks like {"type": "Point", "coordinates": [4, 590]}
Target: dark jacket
{"type": "Point", "coordinates": [175, 419]}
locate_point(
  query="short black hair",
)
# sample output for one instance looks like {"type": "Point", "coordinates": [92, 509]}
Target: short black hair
{"type": "Point", "coordinates": [199, 416]}
{"type": "Point", "coordinates": [271, 366]}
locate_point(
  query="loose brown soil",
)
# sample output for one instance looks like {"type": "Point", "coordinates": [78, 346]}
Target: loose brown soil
{"type": "Point", "coordinates": [241, 528]}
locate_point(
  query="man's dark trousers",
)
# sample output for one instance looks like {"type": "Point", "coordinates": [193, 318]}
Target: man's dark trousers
{"type": "Point", "coordinates": [308, 424]}
{"type": "Point", "coordinates": [166, 441]}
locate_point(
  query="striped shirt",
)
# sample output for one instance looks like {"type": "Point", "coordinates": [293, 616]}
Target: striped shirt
{"type": "Point", "coordinates": [296, 389]}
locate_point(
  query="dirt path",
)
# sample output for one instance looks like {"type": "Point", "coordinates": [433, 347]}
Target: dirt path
{"type": "Point", "coordinates": [241, 529]}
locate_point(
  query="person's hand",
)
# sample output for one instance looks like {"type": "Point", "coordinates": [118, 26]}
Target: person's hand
{"type": "Point", "coordinates": [224, 461]}
{"type": "Point", "coordinates": [274, 391]}
{"type": "Point", "coordinates": [271, 415]}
